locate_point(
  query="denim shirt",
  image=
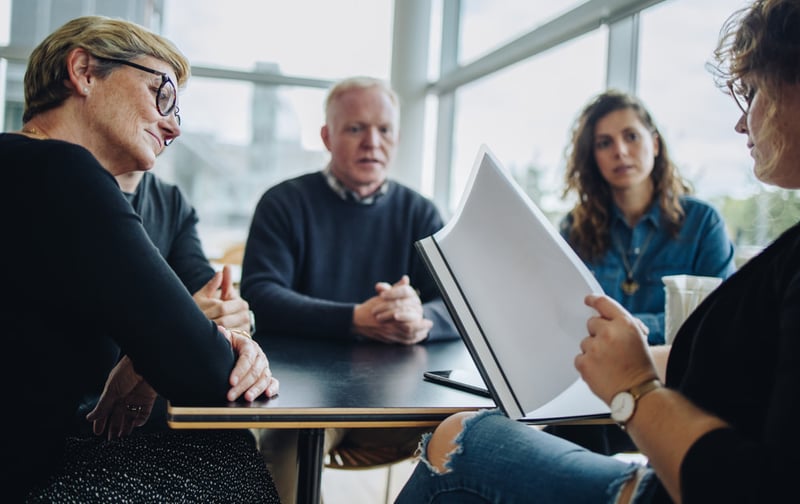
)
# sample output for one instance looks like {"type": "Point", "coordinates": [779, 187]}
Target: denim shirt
{"type": "Point", "coordinates": [702, 247]}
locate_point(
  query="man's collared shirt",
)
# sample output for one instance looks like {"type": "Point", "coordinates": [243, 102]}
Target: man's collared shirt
{"type": "Point", "coordinates": [348, 195]}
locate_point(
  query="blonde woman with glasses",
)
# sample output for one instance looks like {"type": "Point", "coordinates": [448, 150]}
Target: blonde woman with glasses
{"type": "Point", "coordinates": [101, 99]}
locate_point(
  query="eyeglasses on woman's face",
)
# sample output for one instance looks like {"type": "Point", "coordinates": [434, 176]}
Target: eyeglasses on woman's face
{"type": "Point", "coordinates": [166, 95]}
{"type": "Point", "coordinates": [742, 94]}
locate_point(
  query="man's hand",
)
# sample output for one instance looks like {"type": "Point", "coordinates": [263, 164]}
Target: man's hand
{"type": "Point", "coordinates": [126, 402]}
{"type": "Point", "coordinates": [394, 315]}
{"type": "Point", "coordinates": [398, 302]}
{"type": "Point", "coordinates": [220, 302]}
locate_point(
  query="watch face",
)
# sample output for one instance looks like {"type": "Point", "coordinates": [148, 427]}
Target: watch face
{"type": "Point", "coordinates": [622, 406]}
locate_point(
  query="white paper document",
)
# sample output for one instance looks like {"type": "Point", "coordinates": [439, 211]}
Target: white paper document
{"type": "Point", "coordinates": [515, 289]}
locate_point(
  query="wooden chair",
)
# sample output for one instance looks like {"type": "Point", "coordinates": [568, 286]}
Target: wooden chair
{"type": "Point", "coordinates": [232, 255]}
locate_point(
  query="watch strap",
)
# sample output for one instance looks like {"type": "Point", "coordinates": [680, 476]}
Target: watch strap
{"type": "Point", "coordinates": [643, 388]}
{"type": "Point", "coordinates": [638, 392]}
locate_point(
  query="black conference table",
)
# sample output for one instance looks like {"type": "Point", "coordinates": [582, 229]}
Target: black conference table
{"type": "Point", "coordinates": [335, 383]}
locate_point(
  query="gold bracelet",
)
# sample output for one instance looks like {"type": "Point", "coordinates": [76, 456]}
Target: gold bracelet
{"type": "Point", "coordinates": [241, 332]}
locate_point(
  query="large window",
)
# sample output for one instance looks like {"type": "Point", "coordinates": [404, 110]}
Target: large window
{"type": "Point", "coordinates": [697, 119]}
{"type": "Point", "coordinates": [320, 38]}
{"type": "Point", "coordinates": [524, 114]}
{"type": "Point", "coordinates": [5, 21]}
{"type": "Point", "coordinates": [240, 138]}
{"type": "Point", "coordinates": [485, 26]}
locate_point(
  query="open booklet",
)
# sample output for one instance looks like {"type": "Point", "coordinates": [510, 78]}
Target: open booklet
{"type": "Point", "coordinates": [515, 289]}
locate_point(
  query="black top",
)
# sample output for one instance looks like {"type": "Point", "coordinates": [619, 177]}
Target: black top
{"type": "Point", "coordinates": [311, 256]}
{"type": "Point", "coordinates": [738, 357]}
{"type": "Point", "coordinates": [81, 278]}
{"type": "Point", "coordinates": [171, 224]}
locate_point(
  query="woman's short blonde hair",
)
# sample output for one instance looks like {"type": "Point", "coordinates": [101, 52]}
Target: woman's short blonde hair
{"type": "Point", "coordinates": [100, 36]}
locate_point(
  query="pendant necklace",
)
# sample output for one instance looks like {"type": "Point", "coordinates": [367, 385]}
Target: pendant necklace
{"type": "Point", "coordinates": [630, 285]}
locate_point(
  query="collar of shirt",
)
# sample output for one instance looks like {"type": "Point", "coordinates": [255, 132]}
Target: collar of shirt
{"type": "Point", "coordinates": [653, 216]}
{"type": "Point", "coordinates": [664, 255]}
{"type": "Point", "coordinates": [348, 195]}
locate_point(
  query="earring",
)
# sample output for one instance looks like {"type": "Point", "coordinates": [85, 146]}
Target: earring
{"type": "Point", "coordinates": [86, 90]}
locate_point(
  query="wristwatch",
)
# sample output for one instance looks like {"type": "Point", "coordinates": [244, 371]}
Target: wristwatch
{"type": "Point", "coordinates": [623, 405]}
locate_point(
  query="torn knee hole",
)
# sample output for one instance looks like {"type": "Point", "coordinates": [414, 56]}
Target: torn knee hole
{"type": "Point", "coordinates": [440, 455]}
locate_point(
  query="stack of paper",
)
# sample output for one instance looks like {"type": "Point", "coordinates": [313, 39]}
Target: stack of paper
{"type": "Point", "coordinates": [516, 290]}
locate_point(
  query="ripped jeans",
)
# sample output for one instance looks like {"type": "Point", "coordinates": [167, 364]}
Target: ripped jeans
{"type": "Point", "coordinates": [502, 461]}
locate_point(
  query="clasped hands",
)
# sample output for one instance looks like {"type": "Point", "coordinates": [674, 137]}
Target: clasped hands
{"type": "Point", "coordinates": [127, 399]}
{"type": "Point", "coordinates": [393, 315]}
{"type": "Point", "coordinates": [220, 301]}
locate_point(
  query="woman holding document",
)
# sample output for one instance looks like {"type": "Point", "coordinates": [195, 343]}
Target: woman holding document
{"type": "Point", "coordinates": [722, 428]}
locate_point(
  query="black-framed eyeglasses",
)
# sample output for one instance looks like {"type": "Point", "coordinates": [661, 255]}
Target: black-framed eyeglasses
{"type": "Point", "coordinates": [742, 95]}
{"type": "Point", "coordinates": [167, 94]}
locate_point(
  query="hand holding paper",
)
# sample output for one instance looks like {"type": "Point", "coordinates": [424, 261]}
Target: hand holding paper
{"type": "Point", "coordinates": [516, 290]}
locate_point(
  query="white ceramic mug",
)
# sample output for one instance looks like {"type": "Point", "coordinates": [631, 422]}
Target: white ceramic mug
{"type": "Point", "coordinates": [682, 295]}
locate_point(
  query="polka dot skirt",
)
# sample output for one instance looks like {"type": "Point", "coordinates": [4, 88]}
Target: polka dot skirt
{"type": "Point", "coordinates": [171, 466]}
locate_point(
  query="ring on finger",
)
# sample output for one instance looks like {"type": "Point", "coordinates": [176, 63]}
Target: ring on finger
{"type": "Point", "coordinates": [134, 408]}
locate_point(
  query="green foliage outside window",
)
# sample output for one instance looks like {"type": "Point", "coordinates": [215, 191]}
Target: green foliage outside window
{"type": "Point", "coordinates": [760, 218]}
{"type": "Point", "coordinates": [752, 222]}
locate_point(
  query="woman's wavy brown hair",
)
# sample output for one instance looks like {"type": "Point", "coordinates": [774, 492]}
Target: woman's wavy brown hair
{"type": "Point", "coordinates": [589, 233]}
{"type": "Point", "coordinates": [759, 48]}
